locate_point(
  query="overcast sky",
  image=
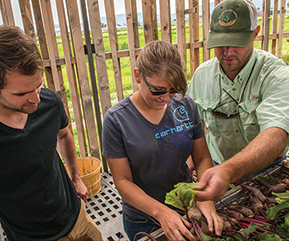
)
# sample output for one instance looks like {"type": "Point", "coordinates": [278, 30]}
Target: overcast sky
{"type": "Point", "coordinates": [118, 4]}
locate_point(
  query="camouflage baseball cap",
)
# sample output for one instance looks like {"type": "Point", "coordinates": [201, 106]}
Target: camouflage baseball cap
{"type": "Point", "coordinates": [232, 24]}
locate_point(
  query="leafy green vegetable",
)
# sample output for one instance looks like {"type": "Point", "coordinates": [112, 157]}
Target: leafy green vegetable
{"type": "Point", "coordinates": [267, 180]}
{"type": "Point", "coordinates": [182, 196]}
{"type": "Point", "coordinates": [275, 211]}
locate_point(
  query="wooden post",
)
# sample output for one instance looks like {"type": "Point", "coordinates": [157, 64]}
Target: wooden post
{"type": "Point", "coordinates": [102, 78]}
{"type": "Point", "coordinates": [131, 43]}
{"type": "Point", "coordinates": [274, 26]}
{"type": "Point", "coordinates": [93, 79]}
{"type": "Point", "coordinates": [112, 33]}
{"type": "Point", "coordinates": [71, 78]}
{"type": "Point", "coordinates": [149, 20]}
{"type": "Point", "coordinates": [7, 13]}
{"type": "Point", "coordinates": [76, 35]}
{"type": "Point", "coordinates": [26, 13]}
{"type": "Point", "coordinates": [194, 35]}
{"type": "Point", "coordinates": [181, 31]}
{"type": "Point", "coordinates": [42, 42]}
{"type": "Point", "coordinates": [206, 21]}
{"type": "Point", "coordinates": [53, 51]}
{"type": "Point", "coordinates": [281, 28]}
{"type": "Point", "coordinates": [134, 23]}
{"type": "Point", "coordinates": [165, 18]}
{"type": "Point", "coordinates": [266, 25]}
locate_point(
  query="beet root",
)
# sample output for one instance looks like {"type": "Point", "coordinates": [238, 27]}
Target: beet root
{"type": "Point", "coordinates": [234, 214]}
{"type": "Point", "coordinates": [256, 204]}
{"type": "Point", "coordinates": [243, 210]}
{"type": "Point", "coordinates": [256, 192]}
{"type": "Point", "coordinates": [195, 213]}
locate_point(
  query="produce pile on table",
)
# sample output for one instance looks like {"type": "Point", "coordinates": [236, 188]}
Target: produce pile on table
{"type": "Point", "coordinates": [260, 213]}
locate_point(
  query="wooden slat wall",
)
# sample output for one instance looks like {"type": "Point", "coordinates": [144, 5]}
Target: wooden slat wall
{"type": "Point", "coordinates": [274, 26]}
{"type": "Point", "coordinates": [181, 31]}
{"type": "Point", "coordinates": [281, 27]}
{"type": "Point", "coordinates": [87, 74]}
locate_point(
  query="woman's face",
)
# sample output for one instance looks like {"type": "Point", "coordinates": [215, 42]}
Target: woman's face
{"type": "Point", "coordinates": [156, 83]}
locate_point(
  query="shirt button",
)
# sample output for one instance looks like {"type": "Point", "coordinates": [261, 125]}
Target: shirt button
{"type": "Point", "coordinates": [234, 111]}
{"type": "Point", "coordinates": [240, 79]}
{"type": "Point", "coordinates": [234, 89]}
{"type": "Point", "coordinates": [236, 131]}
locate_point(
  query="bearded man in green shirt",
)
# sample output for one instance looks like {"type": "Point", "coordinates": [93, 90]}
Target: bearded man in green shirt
{"type": "Point", "coordinates": [243, 98]}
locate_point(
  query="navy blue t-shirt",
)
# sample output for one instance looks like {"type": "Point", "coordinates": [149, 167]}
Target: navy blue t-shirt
{"type": "Point", "coordinates": [157, 153]}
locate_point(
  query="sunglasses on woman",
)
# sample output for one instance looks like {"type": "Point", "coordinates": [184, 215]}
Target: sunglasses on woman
{"type": "Point", "coordinates": [158, 92]}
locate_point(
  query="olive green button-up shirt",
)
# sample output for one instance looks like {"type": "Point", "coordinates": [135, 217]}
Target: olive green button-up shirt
{"type": "Point", "coordinates": [258, 99]}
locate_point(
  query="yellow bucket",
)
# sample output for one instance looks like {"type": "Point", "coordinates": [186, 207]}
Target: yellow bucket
{"type": "Point", "coordinates": [89, 168]}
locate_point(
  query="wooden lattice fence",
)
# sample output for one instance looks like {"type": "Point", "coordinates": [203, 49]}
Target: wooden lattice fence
{"type": "Point", "coordinates": [85, 59]}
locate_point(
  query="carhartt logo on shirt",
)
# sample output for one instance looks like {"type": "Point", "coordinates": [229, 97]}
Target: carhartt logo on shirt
{"type": "Point", "coordinates": [255, 97]}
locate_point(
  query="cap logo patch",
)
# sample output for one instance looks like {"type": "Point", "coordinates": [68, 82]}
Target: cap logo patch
{"type": "Point", "coordinates": [227, 18]}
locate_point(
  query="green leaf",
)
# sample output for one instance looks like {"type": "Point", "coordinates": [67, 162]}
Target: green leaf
{"type": "Point", "coordinates": [268, 180]}
{"type": "Point", "coordinates": [269, 237]}
{"type": "Point", "coordinates": [274, 211]}
{"type": "Point", "coordinates": [250, 229]}
{"type": "Point", "coordinates": [182, 196]}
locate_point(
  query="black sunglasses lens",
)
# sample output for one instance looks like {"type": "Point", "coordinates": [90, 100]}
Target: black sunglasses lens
{"type": "Point", "coordinates": [158, 92]}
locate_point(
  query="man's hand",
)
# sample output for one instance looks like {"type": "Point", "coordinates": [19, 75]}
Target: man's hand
{"type": "Point", "coordinates": [80, 188]}
{"type": "Point", "coordinates": [213, 184]}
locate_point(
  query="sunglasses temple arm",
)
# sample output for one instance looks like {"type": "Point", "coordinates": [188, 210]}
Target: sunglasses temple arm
{"type": "Point", "coordinates": [234, 100]}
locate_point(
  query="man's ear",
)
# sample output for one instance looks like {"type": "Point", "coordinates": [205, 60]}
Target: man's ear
{"type": "Point", "coordinates": [256, 32]}
{"type": "Point", "coordinates": [137, 75]}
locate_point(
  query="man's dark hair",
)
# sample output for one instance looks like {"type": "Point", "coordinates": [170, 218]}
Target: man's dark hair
{"type": "Point", "coordinates": [18, 53]}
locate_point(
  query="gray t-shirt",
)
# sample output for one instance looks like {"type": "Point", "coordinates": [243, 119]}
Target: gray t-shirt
{"type": "Point", "coordinates": [157, 153]}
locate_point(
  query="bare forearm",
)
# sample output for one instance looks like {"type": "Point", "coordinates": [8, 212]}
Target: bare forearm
{"type": "Point", "coordinates": [260, 153]}
{"type": "Point", "coordinates": [139, 199]}
{"type": "Point", "coordinates": [67, 151]}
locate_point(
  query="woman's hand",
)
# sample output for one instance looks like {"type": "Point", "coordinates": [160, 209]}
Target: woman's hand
{"type": "Point", "coordinates": [174, 225]}
{"type": "Point", "coordinates": [208, 210]}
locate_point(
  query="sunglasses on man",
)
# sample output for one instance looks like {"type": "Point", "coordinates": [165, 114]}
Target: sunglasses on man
{"type": "Point", "coordinates": [221, 115]}
{"type": "Point", "coordinates": [158, 92]}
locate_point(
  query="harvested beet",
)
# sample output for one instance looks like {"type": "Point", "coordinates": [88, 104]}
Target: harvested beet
{"type": "Point", "coordinates": [247, 212]}
{"type": "Point", "coordinates": [256, 204]}
{"type": "Point", "coordinates": [234, 214]}
{"type": "Point", "coordinates": [256, 192]}
{"type": "Point", "coordinates": [195, 213]}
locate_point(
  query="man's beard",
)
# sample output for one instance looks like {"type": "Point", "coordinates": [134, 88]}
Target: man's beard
{"type": "Point", "coordinates": [23, 109]}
